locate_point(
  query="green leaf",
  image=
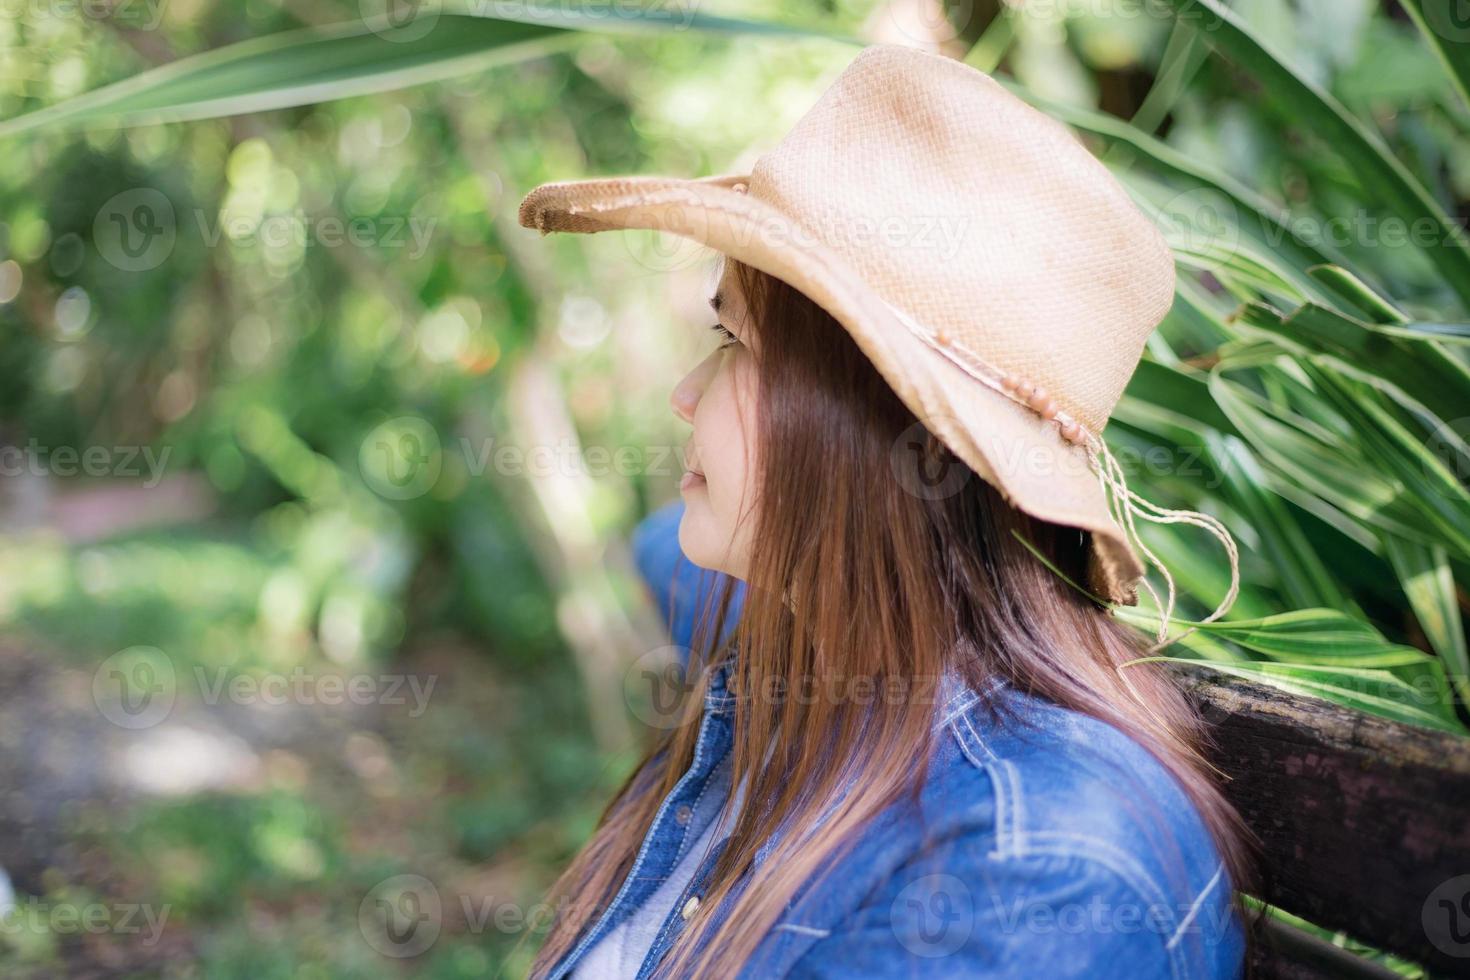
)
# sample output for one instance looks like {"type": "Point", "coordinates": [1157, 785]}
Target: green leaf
{"type": "Point", "coordinates": [1347, 285]}
{"type": "Point", "coordinates": [1377, 692]}
{"type": "Point", "coordinates": [1360, 147]}
{"type": "Point", "coordinates": [1429, 486]}
{"type": "Point", "coordinates": [1322, 462]}
{"type": "Point", "coordinates": [1423, 373]}
{"type": "Point", "coordinates": [315, 65]}
{"type": "Point", "coordinates": [1317, 636]}
{"type": "Point", "coordinates": [1202, 189]}
{"type": "Point", "coordinates": [1326, 462]}
{"type": "Point", "coordinates": [1451, 333]}
{"type": "Point", "coordinates": [1448, 36]}
{"type": "Point", "coordinates": [1430, 588]}
{"type": "Point", "coordinates": [1302, 576]}
{"type": "Point", "coordinates": [1183, 393]}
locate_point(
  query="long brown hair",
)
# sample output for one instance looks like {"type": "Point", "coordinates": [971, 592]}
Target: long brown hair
{"type": "Point", "coordinates": [876, 581]}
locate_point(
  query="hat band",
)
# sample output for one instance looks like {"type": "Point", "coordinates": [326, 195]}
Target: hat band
{"type": "Point", "coordinates": [1110, 473]}
{"type": "Point", "coordinates": [1016, 389]}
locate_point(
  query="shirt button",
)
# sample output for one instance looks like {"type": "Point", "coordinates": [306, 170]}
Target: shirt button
{"type": "Point", "coordinates": [683, 813]}
{"type": "Point", "coordinates": [690, 907]}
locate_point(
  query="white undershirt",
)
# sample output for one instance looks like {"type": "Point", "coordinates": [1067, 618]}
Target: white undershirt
{"type": "Point", "coordinates": [620, 953]}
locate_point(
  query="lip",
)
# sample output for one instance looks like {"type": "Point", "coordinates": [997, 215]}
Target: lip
{"type": "Point", "coordinates": [692, 477]}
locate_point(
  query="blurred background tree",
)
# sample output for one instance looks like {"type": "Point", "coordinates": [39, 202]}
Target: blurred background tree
{"type": "Point", "coordinates": [289, 393]}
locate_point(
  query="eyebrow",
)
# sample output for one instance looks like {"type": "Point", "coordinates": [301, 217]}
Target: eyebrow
{"type": "Point", "coordinates": [716, 301]}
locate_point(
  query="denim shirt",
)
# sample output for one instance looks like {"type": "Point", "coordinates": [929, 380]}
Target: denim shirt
{"type": "Point", "coordinates": [1061, 849]}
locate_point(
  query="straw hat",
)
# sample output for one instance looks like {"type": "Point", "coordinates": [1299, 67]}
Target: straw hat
{"type": "Point", "coordinates": [996, 274]}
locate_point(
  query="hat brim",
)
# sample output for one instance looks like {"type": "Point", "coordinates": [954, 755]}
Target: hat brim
{"type": "Point", "coordinates": [1005, 443]}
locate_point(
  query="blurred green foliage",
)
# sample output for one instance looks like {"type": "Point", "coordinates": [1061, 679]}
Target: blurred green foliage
{"type": "Point", "coordinates": [299, 338]}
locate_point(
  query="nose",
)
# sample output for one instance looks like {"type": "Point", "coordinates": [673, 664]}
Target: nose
{"type": "Point", "coordinates": [686, 394]}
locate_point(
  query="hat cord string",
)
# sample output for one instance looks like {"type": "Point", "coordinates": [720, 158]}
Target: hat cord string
{"type": "Point", "coordinates": [1110, 474]}
{"type": "Point", "coordinates": [1123, 503]}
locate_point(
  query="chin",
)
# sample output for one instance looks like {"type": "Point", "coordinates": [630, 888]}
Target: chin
{"type": "Point", "coordinates": [696, 539]}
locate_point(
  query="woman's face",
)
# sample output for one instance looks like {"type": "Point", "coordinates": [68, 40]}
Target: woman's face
{"type": "Point", "coordinates": [718, 399]}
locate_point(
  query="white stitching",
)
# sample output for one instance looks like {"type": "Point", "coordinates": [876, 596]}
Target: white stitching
{"type": "Point", "coordinates": [1018, 805]}
{"type": "Point", "coordinates": [1195, 907]}
{"type": "Point", "coordinates": [1120, 863]}
{"type": "Point", "coordinates": [802, 930]}
{"type": "Point", "coordinates": [714, 775]}
{"type": "Point", "coordinates": [970, 702]}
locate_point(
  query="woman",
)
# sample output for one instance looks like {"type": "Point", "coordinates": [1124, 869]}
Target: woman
{"type": "Point", "coordinates": [955, 774]}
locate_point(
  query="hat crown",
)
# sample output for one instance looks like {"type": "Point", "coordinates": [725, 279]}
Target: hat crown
{"type": "Point", "coordinates": [979, 216]}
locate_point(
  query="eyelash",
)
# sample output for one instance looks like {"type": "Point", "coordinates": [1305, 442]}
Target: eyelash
{"type": "Point", "coordinates": [729, 339]}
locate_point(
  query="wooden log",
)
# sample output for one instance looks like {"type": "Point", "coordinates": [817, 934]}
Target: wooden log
{"type": "Point", "coordinates": [1365, 822]}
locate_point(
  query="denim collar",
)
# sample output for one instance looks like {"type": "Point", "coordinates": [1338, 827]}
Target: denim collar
{"type": "Point", "coordinates": [953, 697]}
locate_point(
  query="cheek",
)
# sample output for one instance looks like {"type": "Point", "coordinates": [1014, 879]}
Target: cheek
{"type": "Point", "coordinates": [732, 484]}
{"type": "Point", "coordinates": [728, 437]}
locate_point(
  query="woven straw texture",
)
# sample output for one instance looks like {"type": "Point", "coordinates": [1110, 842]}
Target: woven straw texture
{"type": "Point", "coordinates": [918, 182]}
